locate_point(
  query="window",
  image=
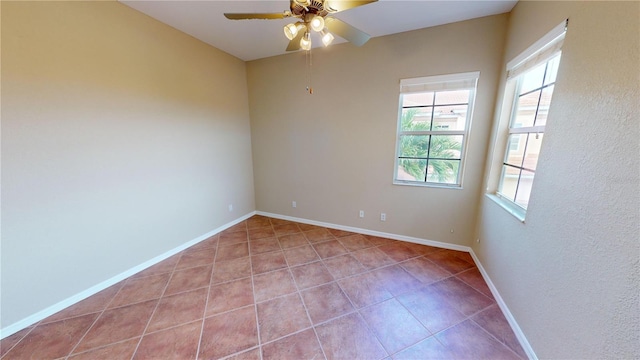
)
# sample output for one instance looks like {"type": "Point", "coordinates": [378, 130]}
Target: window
{"type": "Point", "coordinates": [526, 131]}
{"type": "Point", "coordinates": [530, 83]}
{"type": "Point", "coordinates": [433, 126]}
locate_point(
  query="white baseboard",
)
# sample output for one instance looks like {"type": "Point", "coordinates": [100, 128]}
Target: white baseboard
{"type": "Point", "coordinates": [505, 310]}
{"type": "Point", "coordinates": [369, 232]}
{"type": "Point", "coordinates": [40, 315]}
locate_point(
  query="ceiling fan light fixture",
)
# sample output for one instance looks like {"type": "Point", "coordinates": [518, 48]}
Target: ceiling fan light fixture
{"type": "Point", "coordinates": [317, 23]}
{"type": "Point", "coordinates": [327, 37]}
{"type": "Point", "coordinates": [305, 42]}
{"type": "Point", "coordinates": [312, 16]}
{"type": "Point", "coordinates": [290, 31]}
{"type": "Point", "coordinates": [327, 6]}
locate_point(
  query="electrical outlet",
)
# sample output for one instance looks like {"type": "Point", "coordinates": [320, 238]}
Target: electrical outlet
{"type": "Point", "coordinates": [478, 240]}
{"type": "Point", "coordinates": [230, 207]}
{"type": "Point", "coordinates": [383, 217]}
{"type": "Point", "coordinates": [361, 213]}
{"type": "Point", "coordinates": [293, 204]}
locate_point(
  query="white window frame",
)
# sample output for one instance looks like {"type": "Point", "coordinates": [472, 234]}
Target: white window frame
{"type": "Point", "coordinates": [543, 50]}
{"type": "Point", "coordinates": [439, 83]}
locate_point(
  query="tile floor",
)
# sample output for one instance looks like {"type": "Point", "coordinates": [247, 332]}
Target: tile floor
{"type": "Point", "coordinates": [274, 289]}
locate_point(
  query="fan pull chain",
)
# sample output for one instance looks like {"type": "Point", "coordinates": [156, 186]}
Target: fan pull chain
{"type": "Point", "coordinates": [309, 65]}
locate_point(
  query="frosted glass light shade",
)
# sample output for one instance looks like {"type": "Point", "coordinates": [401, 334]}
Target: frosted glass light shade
{"type": "Point", "coordinates": [327, 38]}
{"type": "Point", "coordinates": [305, 42]}
{"type": "Point", "coordinates": [290, 31]}
{"type": "Point", "coordinates": [317, 23]}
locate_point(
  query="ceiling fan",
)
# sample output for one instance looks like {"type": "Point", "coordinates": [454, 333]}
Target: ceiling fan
{"type": "Point", "coordinates": [313, 15]}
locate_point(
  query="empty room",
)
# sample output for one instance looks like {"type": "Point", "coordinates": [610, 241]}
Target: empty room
{"type": "Point", "coordinates": [320, 179]}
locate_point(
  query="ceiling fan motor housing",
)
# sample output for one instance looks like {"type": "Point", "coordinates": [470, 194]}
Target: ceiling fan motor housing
{"type": "Point", "coordinates": [303, 7]}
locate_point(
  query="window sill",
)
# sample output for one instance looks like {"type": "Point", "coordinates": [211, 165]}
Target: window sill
{"type": "Point", "coordinates": [518, 212]}
{"type": "Point", "coordinates": [428, 184]}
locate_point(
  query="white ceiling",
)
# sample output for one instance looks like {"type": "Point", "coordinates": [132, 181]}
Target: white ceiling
{"type": "Point", "coordinates": [255, 39]}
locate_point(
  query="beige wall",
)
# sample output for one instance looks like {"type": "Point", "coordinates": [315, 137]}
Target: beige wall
{"type": "Point", "coordinates": [122, 138]}
{"type": "Point", "coordinates": [333, 152]}
{"type": "Point", "coordinates": [570, 274]}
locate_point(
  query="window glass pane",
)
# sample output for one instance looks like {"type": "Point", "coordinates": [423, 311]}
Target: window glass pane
{"type": "Point", "coordinates": [524, 188]}
{"type": "Point", "coordinates": [416, 119]}
{"type": "Point", "coordinates": [552, 70]}
{"type": "Point", "coordinates": [515, 152]}
{"type": "Point", "coordinates": [532, 79]}
{"type": "Point", "coordinates": [533, 150]}
{"type": "Point", "coordinates": [452, 97]}
{"type": "Point", "coordinates": [450, 117]}
{"type": "Point", "coordinates": [529, 114]}
{"type": "Point", "coordinates": [543, 107]}
{"type": "Point", "coordinates": [414, 145]}
{"type": "Point", "coordinates": [443, 171]}
{"type": "Point", "coordinates": [417, 99]}
{"type": "Point", "coordinates": [432, 129]}
{"type": "Point", "coordinates": [509, 182]}
{"type": "Point", "coordinates": [526, 110]}
{"type": "Point", "coordinates": [446, 146]}
{"type": "Point", "coordinates": [411, 169]}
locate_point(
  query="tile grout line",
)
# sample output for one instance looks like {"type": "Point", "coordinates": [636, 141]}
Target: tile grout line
{"type": "Point", "coordinates": [491, 335]}
{"type": "Point", "coordinates": [466, 318]}
{"type": "Point", "coordinates": [206, 299]}
{"type": "Point", "coordinates": [304, 305]}
{"type": "Point", "coordinates": [357, 311]}
{"type": "Point", "coordinates": [366, 324]}
{"type": "Point", "coordinates": [19, 341]}
{"type": "Point", "coordinates": [370, 270]}
{"type": "Point", "coordinates": [241, 352]}
{"type": "Point", "coordinates": [431, 334]}
{"type": "Point", "coordinates": [124, 282]}
{"type": "Point", "coordinates": [313, 326]}
{"type": "Point", "coordinates": [399, 263]}
{"type": "Point", "coordinates": [253, 290]}
{"type": "Point", "coordinates": [104, 346]}
{"type": "Point", "coordinates": [144, 332]}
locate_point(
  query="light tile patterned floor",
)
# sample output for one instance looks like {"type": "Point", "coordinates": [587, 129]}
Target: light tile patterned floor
{"type": "Point", "coordinates": [274, 289]}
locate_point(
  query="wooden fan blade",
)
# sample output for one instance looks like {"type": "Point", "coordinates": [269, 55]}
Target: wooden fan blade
{"type": "Point", "coordinates": [342, 5]}
{"type": "Point", "coordinates": [295, 43]}
{"type": "Point", "coordinates": [241, 16]}
{"type": "Point", "coordinates": [346, 31]}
